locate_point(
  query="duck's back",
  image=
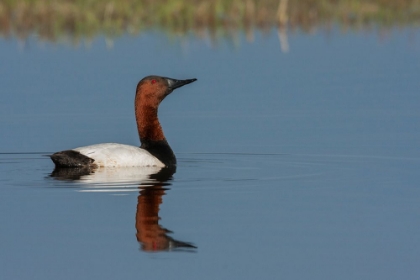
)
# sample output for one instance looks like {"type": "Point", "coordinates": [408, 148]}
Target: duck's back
{"type": "Point", "coordinates": [107, 154]}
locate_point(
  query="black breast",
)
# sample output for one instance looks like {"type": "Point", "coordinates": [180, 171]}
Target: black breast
{"type": "Point", "coordinates": [161, 150]}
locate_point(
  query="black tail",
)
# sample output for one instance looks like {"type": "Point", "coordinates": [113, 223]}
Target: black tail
{"type": "Point", "coordinates": [70, 158]}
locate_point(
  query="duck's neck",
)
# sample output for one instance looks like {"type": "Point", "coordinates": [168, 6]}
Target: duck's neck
{"type": "Point", "coordinates": [148, 124]}
{"type": "Point", "coordinates": [151, 134]}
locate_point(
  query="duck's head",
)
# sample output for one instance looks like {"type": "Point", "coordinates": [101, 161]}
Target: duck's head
{"type": "Point", "coordinates": [155, 88]}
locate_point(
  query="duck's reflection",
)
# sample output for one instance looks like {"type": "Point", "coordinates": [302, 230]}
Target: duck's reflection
{"type": "Point", "coordinates": [153, 184]}
{"type": "Point", "coordinates": [150, 234]}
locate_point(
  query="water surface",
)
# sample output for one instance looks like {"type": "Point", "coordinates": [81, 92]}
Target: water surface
{"type": "Point", "coordinates": [298, 165]}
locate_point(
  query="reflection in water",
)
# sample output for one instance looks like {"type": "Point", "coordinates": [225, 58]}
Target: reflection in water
{"type": "Point", "coordinates": [153, 184]}
{"type": "Point", "coordinates": [151, 235]}
{"type": "Point", "coordinates": [71, 174]}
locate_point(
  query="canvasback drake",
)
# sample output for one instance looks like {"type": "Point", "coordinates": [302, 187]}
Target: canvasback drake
{"type": "Point", "coordinates": [154, 149]}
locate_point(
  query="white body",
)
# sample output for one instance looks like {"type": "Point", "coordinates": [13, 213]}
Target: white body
{"type": "Point", "coordinates": [119, 155]}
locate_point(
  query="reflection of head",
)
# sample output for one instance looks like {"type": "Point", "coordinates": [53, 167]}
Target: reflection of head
{"type": "Point", "coordinates": [150, 234]}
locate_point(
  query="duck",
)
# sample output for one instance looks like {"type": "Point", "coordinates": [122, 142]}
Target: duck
{"type": "Point", "coordinates": [154, 150]}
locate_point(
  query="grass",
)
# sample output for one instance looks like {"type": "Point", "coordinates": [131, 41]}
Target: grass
{"type": "Point", "coordinates": [83, 19]}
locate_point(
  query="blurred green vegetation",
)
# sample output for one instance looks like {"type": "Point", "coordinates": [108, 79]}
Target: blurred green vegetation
{"type": "Point", "coordinates": [83, 19]}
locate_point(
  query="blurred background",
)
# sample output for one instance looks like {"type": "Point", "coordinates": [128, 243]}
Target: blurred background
{"type": "Point", "coordinates": [76, 21]}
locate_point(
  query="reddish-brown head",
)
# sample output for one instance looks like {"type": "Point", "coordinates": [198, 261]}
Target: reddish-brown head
{"type": "Point", "coordinates": [153, 89]}
{"type": "Point", "coordinates": [150, 92]}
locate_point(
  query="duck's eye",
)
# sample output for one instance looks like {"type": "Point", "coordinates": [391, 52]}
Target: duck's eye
{"type": "Point", "coordinates": [153, 81]}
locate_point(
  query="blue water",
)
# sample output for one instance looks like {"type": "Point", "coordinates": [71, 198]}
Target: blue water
{"type": "Point", "coordinates": [297, 165]}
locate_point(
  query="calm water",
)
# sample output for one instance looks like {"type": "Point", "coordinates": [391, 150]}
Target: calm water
{"type": "Point", "coordinates": [298, 165]}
